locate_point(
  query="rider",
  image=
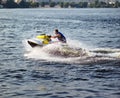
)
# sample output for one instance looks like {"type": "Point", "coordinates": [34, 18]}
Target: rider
{"type": "Point", "coordinates": [59, 36]}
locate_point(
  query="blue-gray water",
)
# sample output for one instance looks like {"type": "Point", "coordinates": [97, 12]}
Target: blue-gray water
{"type": "Point", "coordinates": [32, 74]}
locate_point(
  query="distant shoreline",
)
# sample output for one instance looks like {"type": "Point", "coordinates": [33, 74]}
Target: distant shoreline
{"type": "Point", "coordinates": [25, 4]}
{"type": "Point", "coordinates": [58, 8]}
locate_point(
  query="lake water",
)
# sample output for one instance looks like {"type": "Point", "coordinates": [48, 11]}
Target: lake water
{"type": "Point", "coordinates": [37, 73]}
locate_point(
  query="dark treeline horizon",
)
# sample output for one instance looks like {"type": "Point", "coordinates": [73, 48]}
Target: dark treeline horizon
{"type": "Point", "coordinates": [24, 4]}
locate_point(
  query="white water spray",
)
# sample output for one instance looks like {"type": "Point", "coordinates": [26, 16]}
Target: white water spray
{"type": "Point", "coordinates": [74, 52]}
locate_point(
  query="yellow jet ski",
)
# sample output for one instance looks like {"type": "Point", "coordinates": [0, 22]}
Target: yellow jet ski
{"type": "Point", "coordinates": [40, 40]}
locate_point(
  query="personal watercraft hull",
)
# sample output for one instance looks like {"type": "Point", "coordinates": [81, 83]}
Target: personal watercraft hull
{"type": "Point", "coordinates": [41, 41]}
{"type": "Point", "coordinates": [32, 44]}
{"type": "Point", "coordinates": [35, 43]}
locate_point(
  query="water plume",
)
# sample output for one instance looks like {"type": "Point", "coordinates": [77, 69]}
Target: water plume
{"type": "Point", "coordinates": [73, 52]}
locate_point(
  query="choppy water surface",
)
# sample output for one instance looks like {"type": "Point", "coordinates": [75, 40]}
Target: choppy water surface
{"type": "Point", "coordinates": [88, 68]}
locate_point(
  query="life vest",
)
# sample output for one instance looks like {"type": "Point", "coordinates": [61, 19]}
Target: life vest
{"type": "Point", "coordinates": [62, 38]}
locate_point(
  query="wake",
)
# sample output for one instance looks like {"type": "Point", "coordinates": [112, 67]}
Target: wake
{"type": "Point", "coordinates": [74, 52]}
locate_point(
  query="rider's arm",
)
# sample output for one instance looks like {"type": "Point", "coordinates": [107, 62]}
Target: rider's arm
{"type": "Point", "coordinates": [57, 35]}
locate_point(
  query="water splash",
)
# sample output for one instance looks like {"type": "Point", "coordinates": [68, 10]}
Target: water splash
{"type": "Point", "coordinates": [73, 52]}
{"type": "Point", "coordinates": [106, 52]}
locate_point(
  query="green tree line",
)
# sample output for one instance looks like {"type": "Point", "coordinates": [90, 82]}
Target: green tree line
{"type": "Point", "coordinates": [21, 4]}
{"type": "Point", "coordinates": [24, 4]}
{"type": "Point", "coordinates": [95, 4]}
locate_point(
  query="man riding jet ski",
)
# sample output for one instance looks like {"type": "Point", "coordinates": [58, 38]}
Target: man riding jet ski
{"type": "Point", "coordinates": [44, 39]}
{"type": "Point", "coordinates": [59, 36]}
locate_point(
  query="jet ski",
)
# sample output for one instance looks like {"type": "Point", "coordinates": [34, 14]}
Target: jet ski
{"type": "Point", "coordinates": [40, 41]}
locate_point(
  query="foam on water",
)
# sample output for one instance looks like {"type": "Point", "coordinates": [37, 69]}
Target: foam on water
{"type": "Point", "coordinates": [106, 52]}
{"type": "Point", "coordinates": [73, 52]}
